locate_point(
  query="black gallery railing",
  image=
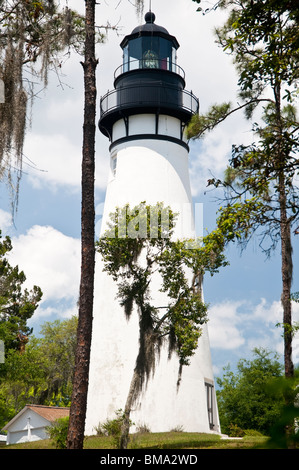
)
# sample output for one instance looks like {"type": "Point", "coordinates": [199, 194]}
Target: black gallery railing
{"type": "Point", "coordinates": [149, 95]}
{"type": "Point", "coordinates": [154, 64]}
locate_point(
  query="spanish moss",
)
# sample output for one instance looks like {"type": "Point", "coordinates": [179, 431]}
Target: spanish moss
{"type": "Point", "coordinates": [33, 37]}
{"type": "Point", "coordinates": [139, 4]}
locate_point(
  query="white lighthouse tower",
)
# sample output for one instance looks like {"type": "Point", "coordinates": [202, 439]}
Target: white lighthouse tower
{"type": "Point", "coordinates": [144, 117]}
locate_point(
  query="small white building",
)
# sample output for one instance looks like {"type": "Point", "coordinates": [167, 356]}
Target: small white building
{"type": "Point", "coordinates": [31, 422]}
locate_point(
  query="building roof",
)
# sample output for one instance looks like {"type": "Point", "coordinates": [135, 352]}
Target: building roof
{"type": "Point", "coordinates": [149, 29]}
{"type": "Point", "coordinates": [50, 413]}
{"type": "Point", "coordinates": [150, 25]}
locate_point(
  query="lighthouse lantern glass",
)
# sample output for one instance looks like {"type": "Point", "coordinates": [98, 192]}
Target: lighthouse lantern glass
{"type": "Point", "coordinates": [149, 52]}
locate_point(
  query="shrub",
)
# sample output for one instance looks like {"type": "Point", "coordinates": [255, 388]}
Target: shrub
{"type": "Point", "coordinates": [58, 432]}
{"type": "Point", "coordinates": [178, 428]}
{"type": "Point", "coordinates": [252, 433]}
{"type": "Point", "coordinates": [142, 428]}
{"type": "Point", "coordinates": [113, 427]}
{"type": "Point", "coordinates": [235, 431]}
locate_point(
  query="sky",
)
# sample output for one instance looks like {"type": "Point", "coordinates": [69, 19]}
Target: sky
{"type": "Point", "coordinates": [243, 298]}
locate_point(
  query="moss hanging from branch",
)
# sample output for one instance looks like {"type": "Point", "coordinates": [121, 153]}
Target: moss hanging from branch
{"type": "Point", "coordinates": [138, 251]}
{"type": "Point", "coordinates": [139, 4]}
{"type": "Point", "coordinates": [33, 37]}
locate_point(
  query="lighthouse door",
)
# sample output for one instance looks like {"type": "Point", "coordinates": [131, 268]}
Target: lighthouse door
{"type": "Point", "coordinates": [210, 403]}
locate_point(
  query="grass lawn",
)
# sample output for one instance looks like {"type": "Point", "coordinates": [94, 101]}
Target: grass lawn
{"type": "Point", "coordinates": [170, 440]}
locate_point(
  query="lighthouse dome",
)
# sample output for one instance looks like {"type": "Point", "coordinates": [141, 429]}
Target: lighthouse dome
{"type": "Point", "coordinates": [149, 80]}
{"type": "Point", "coordinates": [150, 25]}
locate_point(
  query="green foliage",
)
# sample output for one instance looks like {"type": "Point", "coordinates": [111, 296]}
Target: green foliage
{"type": "Point", "coordinates": [22, 378]}
{"type": "Point", "coordinates": [200, 124]}
{"type": "Point", "coordinates": [267, 35]}
{"type": "Point", "coordinates": [58, 432]}
{"type": "Point", "coordinates": [139, 244]}
{"type": "Point", "coordinates": [57, 346]}
{"type": "Point", "coordinates": [165, 440]}
{"type": "Point", "coordinates": [42, 373]}
{"type": "Point", "coordinates": [235, 431]}
{"type": "Point", "coordinates": [284, 432]}
{"type": "Point", "coordinates": [138, 251]}
{"type": "Point", "coordinates": [250, 398]}
{"type": "Point", "coordinates": [261, 185]}
{"type": "Point", "coordinates": [113, 427]}
{"type": "Point", "coordinates": [288, 329]}
{"type": "Point", "coordinates": [7, 409]}
{"type": "Point", "coordinates": [17, 305]}
{"type": "Point", "coordinates": [235, 221]}
{"type": "Point", "coordinates": [263, 39]}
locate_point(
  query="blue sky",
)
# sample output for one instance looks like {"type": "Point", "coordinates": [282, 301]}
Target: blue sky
{"type": "Point", "coordinates": [244, 297]}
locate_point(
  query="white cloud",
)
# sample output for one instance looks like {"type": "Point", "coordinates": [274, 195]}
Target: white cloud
{"type": "Point", "coordinates": [210, 156]}
{"type": "Point", "coordinates": [57, 162]}
{"type": "Point", "coordinates": [268, 313]}
{"type": "Point", "coordinates": [60, 311]}
{"type": "Point", "coordinates": [56, 158]}
{"type": "Point", "coordinates": [240, 324]}
{"type": "Point", "coordinates": [5, 222]}
{"type": "Point", "coordinates": [269, 316]}
{"type": "Point", "coordinates": [224, 331]}
{"type": "Point", "coordinates": [50, 260]}
{"type": "Point", "coordinates": [55, 142]}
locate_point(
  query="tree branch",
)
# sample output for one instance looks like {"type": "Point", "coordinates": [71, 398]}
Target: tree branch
{"type": "Point", "coordinates": [194, 133]}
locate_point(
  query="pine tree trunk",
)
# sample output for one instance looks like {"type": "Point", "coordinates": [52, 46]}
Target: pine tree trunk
{"type": "Point", "coordinates": [286, 244]}
{"type": "Point", "coordinates": [287, 273]}
{"type": "Point", "coordinates": [80, 381]}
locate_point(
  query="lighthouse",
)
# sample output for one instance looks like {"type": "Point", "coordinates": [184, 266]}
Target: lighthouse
{"type": "Point", "coordinates": [144, 117]}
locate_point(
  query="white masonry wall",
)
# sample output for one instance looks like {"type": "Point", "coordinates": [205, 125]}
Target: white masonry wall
{"type": "Point", "coordinates": [151, 171]}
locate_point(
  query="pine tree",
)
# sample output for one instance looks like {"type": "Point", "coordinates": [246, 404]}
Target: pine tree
{"type": "Point", "coordinates": [80, 383]}
{"type": "Point", "coordinates": [261, 191]}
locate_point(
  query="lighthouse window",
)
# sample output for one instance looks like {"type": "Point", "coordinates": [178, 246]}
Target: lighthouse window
{"type": "Point", "coordinates": [134, 53]}
{"type": "Point", "coordinates": [150, 60]}
{"type": "Point", "coordinates": [173, 59]}
{"type": "Point", "coordinates": [165, 54]}
{"type": "Point", "coordinates": [126, 59]}
{"type": "Point", "coordinates": [150, 55]}
{"type": "Point", "coordinates": [113, 164]}
{"type": "Point", "coordinates": [149, 52]}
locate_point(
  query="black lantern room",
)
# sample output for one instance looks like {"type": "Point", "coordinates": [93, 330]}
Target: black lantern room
{"type": "Point", "coordinates": [149, 79]}
{"type": "Point", "coordinates": [149, 47]}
